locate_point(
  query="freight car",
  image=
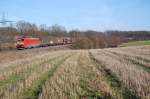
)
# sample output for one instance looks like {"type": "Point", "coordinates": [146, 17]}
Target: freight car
{"type": "Point", "coordinates": [51, 41]}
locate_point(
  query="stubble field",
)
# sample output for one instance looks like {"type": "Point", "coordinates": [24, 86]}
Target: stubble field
{"type": "Point", "coordinates": [119, 73]}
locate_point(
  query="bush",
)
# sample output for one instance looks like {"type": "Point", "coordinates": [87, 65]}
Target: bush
{"type": "Point", "coordinates": [83, 43]}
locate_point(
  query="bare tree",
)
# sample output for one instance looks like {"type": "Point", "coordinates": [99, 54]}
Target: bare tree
{"type": "Point", "coordinates": [57, 30]}
{"type": "Point", "coordinates": [26, 28]}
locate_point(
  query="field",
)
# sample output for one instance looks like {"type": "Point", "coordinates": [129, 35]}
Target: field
{"type": "Point", "coordinates": [119, 73]}
{"type": "Point", "coordinates": [136, 43]}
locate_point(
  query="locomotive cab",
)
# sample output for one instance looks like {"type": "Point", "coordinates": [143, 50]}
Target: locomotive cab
{"type": "Point", "coordinates": [20, 43]}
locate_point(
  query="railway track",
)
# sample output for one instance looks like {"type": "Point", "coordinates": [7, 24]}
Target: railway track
{"type": "Point", "coordinates": [44, 47]}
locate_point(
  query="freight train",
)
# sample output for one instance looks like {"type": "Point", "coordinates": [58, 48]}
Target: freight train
{"type": "Point", "coordinates": [26, 42]}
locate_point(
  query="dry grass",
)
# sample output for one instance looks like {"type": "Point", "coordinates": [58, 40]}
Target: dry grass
{"type": "Point", "coordinates": [77, 74]}
{"type": "Point", "coordinates": [134, 78]}
{"type": "Point", "coordinates": [76, 78]}
{"type": "Point", "coordinates": [20, 76]}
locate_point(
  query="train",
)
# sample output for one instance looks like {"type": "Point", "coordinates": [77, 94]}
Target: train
{"type": "Point", "coordinates": [29, 42]}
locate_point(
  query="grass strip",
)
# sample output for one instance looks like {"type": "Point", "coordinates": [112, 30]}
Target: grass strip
{"type": "Point", "coordinates": [88, 91]}
{"type": "Point", "coordinates": [34, 91]}
{"type": "Point", "coordinates": [113, 80]}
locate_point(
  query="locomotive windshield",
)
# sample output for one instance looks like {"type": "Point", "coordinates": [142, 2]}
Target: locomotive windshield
{"type": "Point", "coordinates": [20, 40]}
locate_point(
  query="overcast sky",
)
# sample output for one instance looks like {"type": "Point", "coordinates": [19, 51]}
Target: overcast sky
{"type": "Point", "coordinates": [81, 14]}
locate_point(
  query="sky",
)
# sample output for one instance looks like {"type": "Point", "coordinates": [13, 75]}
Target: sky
{"type": "Point", "coordinates": [99, 15]}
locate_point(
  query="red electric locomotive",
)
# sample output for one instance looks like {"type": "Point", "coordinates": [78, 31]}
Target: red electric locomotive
{"type": "Point", "coordinates": [28, 43]}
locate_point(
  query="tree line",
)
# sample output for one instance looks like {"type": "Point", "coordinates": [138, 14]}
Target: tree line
{"type": "Point", "coordinates": [81, 39]}
{"type": "Point", "coordinates": [93, 39]}
{"type": "Point", "coordinates": [131, 35]}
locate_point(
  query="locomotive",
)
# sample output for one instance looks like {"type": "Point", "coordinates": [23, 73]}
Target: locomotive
{"type": "Point", "coordinates": [26, 42]}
